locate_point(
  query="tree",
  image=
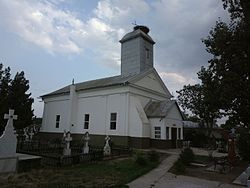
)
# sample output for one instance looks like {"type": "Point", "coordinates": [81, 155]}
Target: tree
{"type": "Point", "coordinates": [200, 99]}
{"type": "Point", "coordinates": [4, 93]}
{"type": "Point", "coordinates": [225, 84]}
{"type": "Point", "coordinates": [13, 94]}
{"type": "Point", "coordinates": [21, 101]}
{"type": "Point", "coordinates": [230, 46]}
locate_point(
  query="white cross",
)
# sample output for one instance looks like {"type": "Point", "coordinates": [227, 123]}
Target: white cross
{"type": "Point", "coordinates": [68, 139]}
{"type": "Point", "coordinates": [31, 134]}
{"type": "Point", "coordinates": [11, 115]}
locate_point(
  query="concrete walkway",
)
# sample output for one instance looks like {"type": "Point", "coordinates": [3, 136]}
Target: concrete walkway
{"type": "Point", "coordinates": [151, 178]}
{"type": "Point", "coordinates": [161, 178]}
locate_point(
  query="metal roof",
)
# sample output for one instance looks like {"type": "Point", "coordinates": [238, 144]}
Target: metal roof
{"type": "Point", "coordinates": [159, 108]}
{"type": "Point", "coordinates": [100, 83]}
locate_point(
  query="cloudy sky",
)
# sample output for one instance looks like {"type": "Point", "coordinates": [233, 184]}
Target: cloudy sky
{"type": "Point", "coordinates": [54, 41]}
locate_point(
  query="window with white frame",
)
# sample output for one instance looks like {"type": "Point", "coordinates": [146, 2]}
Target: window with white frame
{"type": "Point", "coordinates": [113, 119]}
{"type": "Point", "coordinates": [86, 121]}
{"type": "Point", "coordinates": [157, 132]}
{"type": "Point", "coordinates": [58, 117]}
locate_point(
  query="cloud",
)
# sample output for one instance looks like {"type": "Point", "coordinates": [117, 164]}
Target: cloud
{"type": "Point", "coordinates": [42, 24]}
{"type": "Point", "coordinates": [58, 31]}
{"type": "Point", "coordinates": [174, 81]}
{"type": "Point", "coordinates": [176, 26]}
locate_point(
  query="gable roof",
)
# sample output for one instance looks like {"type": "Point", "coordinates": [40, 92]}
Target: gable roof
{"type": "Point", "coordinates": [106, 82]}
{"type": "Point", "coordinates": [160, 108]}
{"type": "Point", "coordinates": [145, 73]}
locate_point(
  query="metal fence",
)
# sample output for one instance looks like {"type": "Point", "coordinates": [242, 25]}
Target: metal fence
{"type": "Point", "coordinates": [52, 153]}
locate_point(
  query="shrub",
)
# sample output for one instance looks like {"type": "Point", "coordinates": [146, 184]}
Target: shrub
{"type": "Point", "coordinates": [197, 138]}
{"type": "Point", "coordinates": [140, 158]}
{"type": "Point", "coordinates": [153, 156]}
{"type": "Point", "coordinates": [244, 145]}
{"type": "Point", "coordinates": [179, 167]}
{"type": "Point", "coordinates": [187, 156]}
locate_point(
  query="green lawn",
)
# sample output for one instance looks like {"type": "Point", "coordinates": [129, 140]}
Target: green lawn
{"type": "Point", "coordinates": [115, 173]}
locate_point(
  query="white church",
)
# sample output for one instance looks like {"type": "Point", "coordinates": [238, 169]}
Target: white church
{"type": "Point", "coordinates": [135, 108]}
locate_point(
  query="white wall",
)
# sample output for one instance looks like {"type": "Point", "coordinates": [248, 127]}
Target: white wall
{"type": "Point", "coordinates": [174, 119]}
{"type": "Point", "coordinates": [52, 107]}
{"type": "Point", "coordinates": [99, 109]}
{"type": "Point", "coordinates": [157, 122]}
{"type": "Point", "coordinates": [128, 102]}
{"type": "Point", "coordinates": [138, 122]}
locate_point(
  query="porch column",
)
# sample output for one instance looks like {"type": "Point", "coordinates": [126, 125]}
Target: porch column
{"type": "Point", "coordinates": [181, 133]}
{"type": "Point", "coordinates": [170, 133]}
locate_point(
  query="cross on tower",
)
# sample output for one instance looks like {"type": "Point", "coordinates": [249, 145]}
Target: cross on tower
{"type": "Point", "coordinates": [134, 23]}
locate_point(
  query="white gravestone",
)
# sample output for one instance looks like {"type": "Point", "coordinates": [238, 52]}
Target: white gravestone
{"type": "Point", "coordinates": [8, 142]}
{"type": "Point", "coordinates": [86, 143]}
{"type": "Point", "coordinates": [26, 134]}
{"type": "Point", "coordinates": [243, 178]}
{"type": "Point", "coordinates": [67, 150]}
{"type": "Point", "coordinates": [31, 134]}
{"type": "Point", "coordinates": [107, 149]}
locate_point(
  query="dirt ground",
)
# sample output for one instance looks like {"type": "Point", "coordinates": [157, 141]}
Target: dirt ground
{"type": "Point", "coordinates": [227, 177]}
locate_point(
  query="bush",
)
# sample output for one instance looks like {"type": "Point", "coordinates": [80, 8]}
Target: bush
{"type": "Point", "coordinates": [140, 158]}
{"type": "Point", "coordinates": [153, 156]}
{"type": "Point", "coordinates": [179, 167]}
{"type": "Point", "coordinates": [244, 145]}
{"type": "Point", "coordinates": [197, 138]}
{"type": "Point", "coordinates": [187, 156]}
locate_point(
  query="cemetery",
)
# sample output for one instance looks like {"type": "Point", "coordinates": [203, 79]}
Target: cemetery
{"type": "Point", "coordinates": [30, 162]}
{"type": "Point", "coordinates": [27, 162]}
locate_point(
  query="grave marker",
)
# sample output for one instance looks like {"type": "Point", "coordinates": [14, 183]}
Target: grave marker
{"type": "Point", "coordinates": [107, 149]}
{"type": "Point", "coordinates": [8, 142]}
{"type": "Point", "coordinates": [67, 140]}
{"type": "Point", "coordinates": [86, 143]}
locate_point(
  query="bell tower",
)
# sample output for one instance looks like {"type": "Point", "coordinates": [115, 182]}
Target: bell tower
{"type": "Point", "coordinates": [136, 51]}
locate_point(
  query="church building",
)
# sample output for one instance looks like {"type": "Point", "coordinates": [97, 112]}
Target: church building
{"type": "Point", "coordinates": [135, 108]}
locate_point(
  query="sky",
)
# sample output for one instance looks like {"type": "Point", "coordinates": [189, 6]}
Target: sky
{"type": "Point", "coordinates": [55, 41]}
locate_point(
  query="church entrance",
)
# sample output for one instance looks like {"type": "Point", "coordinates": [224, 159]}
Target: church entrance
{"type": "Point", "coordinates": [174, 137]}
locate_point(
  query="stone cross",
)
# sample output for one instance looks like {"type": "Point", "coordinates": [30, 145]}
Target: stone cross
{"type": "Point", "coordinates": [8, 140]}
{"type": "Point", "coordinates": [68, 139]}
{"type": "Point", "coordinates": [86, 143]}
{"type": "Point", "coordinates": [107, 149]}
{"type": "Point", "coordinates": [10, 116]}
{"type": "Point", "coordinates": [31, 134]}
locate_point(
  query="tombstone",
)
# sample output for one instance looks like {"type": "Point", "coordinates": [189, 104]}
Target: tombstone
{"type": "Point", "coordinates": [8, 142]}
{"type": "Point", "coordinates": [243, 178]}
{"type": "Point", "coordinates": [67, 140]}
{"type": "Point", "coordinates": [107, 149]}
{"type": "Point", "coordinates": [248, 171]}
{"type": "Point", "coordinates": [186, 144]}
{"type": "Point", "coordinates": [26, 134]}
{"type": "Point", "coordinates": [86, 143]}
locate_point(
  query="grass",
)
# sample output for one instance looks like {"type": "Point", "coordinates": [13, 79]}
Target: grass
{"type": "Point", "coordinates": [202, 159]}
{"type": "Point", "coordinates": [114, 173]}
